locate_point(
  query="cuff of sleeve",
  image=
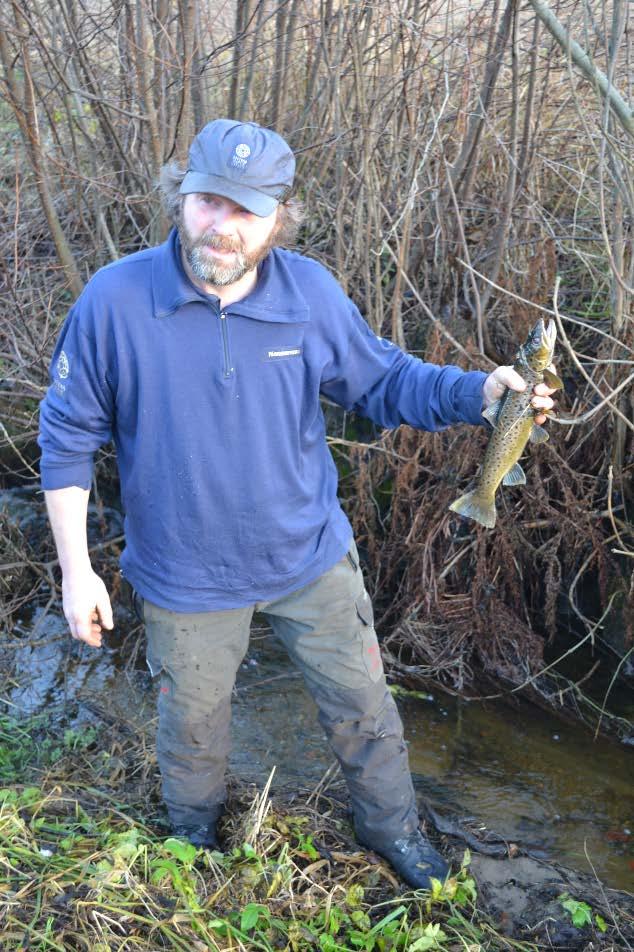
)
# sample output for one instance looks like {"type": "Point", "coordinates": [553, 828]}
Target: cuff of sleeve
{"type": "Point", "coordinates": [471, 397]}
{"type": "Point", "coordinates": [63, 475]}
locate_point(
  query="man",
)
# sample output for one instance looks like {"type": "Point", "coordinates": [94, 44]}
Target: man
{"type": "Point", "coordinates": [204, 359]}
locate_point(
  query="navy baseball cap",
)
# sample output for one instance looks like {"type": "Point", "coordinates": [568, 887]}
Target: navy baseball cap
{"type": "Point", "coordinates": [252, 166]}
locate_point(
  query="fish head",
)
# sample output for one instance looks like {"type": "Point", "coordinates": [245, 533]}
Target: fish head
{"type": "Point", "coordinates": [539, 348]}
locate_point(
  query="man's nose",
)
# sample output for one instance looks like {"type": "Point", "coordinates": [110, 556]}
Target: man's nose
{"type": "Point", "coordinates": [221, 218]}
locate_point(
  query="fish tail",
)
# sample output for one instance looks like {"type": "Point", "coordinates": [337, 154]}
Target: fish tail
{"type": "Point", "coordinates": [474, 505]}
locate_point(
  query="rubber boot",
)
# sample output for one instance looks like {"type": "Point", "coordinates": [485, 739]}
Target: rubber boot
{"type": "Point", "coordinates": [201, 834]}
{"type": "Point", "coordinates": [414, 859]}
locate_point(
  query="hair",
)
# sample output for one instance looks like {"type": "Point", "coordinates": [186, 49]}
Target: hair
{"type": "Point", "coordinates": [290, 213]}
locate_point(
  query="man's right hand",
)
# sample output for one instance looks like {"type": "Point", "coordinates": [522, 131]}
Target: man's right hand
{"type": "Point", "coordinates": [86, 606]}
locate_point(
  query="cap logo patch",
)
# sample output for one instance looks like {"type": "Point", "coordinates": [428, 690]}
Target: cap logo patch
{"type": "Point", "coordinates": [240, 156]}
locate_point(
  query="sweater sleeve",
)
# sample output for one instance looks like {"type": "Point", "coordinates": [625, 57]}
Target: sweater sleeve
{"type": "Point", "coordinates": [377, 379]}
{"type": "Point", "coordinates": [76, 415]}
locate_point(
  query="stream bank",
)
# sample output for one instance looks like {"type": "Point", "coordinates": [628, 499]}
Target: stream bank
{"type": "Point", "coordinates": [557, 805]}
{"type": "Point", "coordinates": [87, 863]}
{"type": "Point", "coordinates": [549, 786]}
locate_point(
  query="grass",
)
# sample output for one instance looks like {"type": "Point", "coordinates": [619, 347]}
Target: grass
{"type": "Point", "coordinates": [85, 863]}
{"type": "Point", "coordinates": [75, 879]}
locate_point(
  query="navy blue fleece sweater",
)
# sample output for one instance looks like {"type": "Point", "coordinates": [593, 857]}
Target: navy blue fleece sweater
{"type": "Point", "coordinates": [228, 486]}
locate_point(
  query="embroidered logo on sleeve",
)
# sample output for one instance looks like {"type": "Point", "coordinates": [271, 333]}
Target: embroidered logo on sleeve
{"type": "Point", "coordinates": [63, 367]}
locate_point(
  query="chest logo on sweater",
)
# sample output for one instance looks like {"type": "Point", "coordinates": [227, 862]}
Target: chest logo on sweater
{"type": "Point", "coordinates": [281, 353]}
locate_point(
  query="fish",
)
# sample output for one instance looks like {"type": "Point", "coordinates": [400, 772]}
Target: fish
{"type": "Point", "coordinates": [513, 420]}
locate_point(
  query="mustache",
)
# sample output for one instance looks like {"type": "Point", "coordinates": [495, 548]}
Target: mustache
{"type": "Point", "coordinates": [219, 243]}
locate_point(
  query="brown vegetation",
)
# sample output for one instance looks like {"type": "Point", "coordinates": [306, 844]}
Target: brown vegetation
{"type": "Point", "coordinates": [461, 173]}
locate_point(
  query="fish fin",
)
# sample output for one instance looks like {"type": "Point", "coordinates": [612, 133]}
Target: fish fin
{"type": "Point", "coordinates": [491, 413]}
{"type": "Point", "coordinates": [474, 506]}
{"type": "Point", "coordinates": [538, 434]}
{"type": "Point", "coordinates": [552, 380]}
{"type": "Point", "coordinates": [515, 476]}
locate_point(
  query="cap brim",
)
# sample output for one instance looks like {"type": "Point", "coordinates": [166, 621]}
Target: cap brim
{"type": "Point", "coordinates": [249, 198]}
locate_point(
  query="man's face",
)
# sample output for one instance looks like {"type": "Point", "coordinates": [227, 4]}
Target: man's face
{"type": "Point", "coordinates": [221, 240]}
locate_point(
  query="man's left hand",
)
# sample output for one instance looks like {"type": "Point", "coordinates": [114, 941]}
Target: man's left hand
{"type": "Point", "coordinates": [503, 377]}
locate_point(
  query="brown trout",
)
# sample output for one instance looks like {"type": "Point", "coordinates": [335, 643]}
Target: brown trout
{"type": "Point", "coordinates": [513, 420]}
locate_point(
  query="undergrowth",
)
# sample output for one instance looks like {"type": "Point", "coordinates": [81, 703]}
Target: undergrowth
{"type": "Point", "coordinates": [87, 862]}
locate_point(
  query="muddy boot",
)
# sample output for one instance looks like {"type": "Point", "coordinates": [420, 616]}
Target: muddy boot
{"type": "Point", "coordinates": [414, 859]}
{"type": "Point", "coordinates": [201, 833]}
{"type": "Point", "coordinates": [204, 835]}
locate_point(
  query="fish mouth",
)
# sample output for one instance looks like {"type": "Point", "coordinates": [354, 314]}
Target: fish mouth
{"type": "Point", "coordinates": [540, 345]}
{"type": "Point", "coordinates": [549, 335]}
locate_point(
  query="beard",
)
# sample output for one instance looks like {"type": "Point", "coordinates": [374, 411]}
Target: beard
{"type": "Point", "coordinates": [218, 273]}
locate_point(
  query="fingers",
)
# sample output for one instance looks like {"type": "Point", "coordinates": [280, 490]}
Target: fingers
{"type": "Point", "coordinates": [508, 377]}
{"type": "Point", "coordinates": [87, 629]}
{"type": "Point", "coordinates": [543, 389]}
{"type": "Point", "coordinates": [86, 606]}
{"type": "Point", "coordinates": [497, 382]}
{"type": "Point", "coordinates": [542, 403]}
{"type": "Point", "coordinates": [503, 377]}
{"type": "Point", "coordinates": [104, 609]}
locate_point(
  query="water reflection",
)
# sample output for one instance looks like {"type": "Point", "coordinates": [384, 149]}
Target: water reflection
{"type": "Point", "coordinates": [521, 773]}
{"type": "Point", "coordinates": [527, 776]}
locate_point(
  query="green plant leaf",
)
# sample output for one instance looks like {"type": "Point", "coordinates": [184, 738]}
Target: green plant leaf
{"type": "Point", "coordinates": [466, 892]}
{"type": "Point", "coordinates": [361, 940]}
{"type": "Point", "coordinates": [387, 920]}
{"type": "Point", "coordinates": [327, 943]}
{"type": "Point", "coordinates": [251, 914]}
{"type": "Point", "coordinates": [305, 845]}
{"type": "Point", "coordinates": [432, 938]}
{"type": "Point", "coordinates": [601, 924]}
{"type": "Point", "coordinates": [361, 919]}
{"type": "Point", "coordinates": [335, 920]}
{"type": "Point", "coordinates": [162, 868]}
{"type": "Point", "coordinates": [354, 896]}
{"type": "Point", "coordinates": [183, 851]}
{"type": "Point", "coordinates": [30, 795]}
{"type": "Point", "coordinates": [580, 912]}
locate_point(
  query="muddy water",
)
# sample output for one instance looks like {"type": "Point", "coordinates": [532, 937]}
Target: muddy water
{"type": "Point", "coordinates": [520, 773]}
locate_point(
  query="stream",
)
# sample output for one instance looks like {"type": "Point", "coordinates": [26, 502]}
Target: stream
{"type": "Point", "coordinates": [517, 771]}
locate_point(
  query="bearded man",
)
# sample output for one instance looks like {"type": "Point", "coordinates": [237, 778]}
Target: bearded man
{"type": "Point", "coordinates": [204, 359]}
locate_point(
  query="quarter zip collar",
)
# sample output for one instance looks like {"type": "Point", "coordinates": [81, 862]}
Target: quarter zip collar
{"type": "Point", "coordinates": [275, 298]}
{"type": "Point", "coordinates": [171, 288]}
